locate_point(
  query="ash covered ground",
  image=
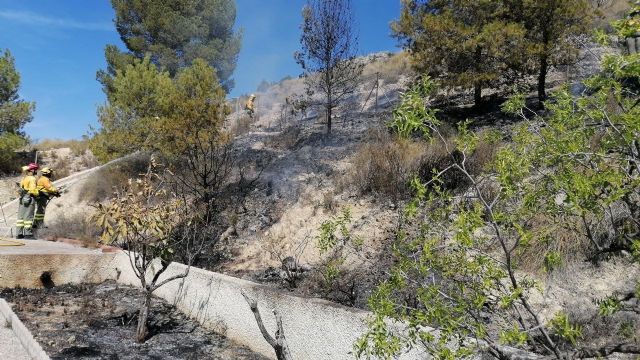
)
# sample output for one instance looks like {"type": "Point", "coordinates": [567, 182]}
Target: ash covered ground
{"type": "Point", "coordinates": [98, 322]}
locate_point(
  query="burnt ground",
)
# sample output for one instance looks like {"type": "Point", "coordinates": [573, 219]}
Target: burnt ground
{"type": "Point", "coordinates": [98, 322]}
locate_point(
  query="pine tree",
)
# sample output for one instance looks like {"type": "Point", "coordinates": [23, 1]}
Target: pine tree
{"type": "Point", "coordinates": [466, 44]}
{"type": "Point", "coordinates": [174, 34]}
{"type": "Point", "coordinates": [328, 51]}
{"type": "Point", "coordinates": [551, 26]}
{"type": "Point", "coordinates": [14, 113]}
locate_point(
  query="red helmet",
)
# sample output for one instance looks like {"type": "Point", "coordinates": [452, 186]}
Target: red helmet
{"type": "Point", "coordinates": [32, 167]}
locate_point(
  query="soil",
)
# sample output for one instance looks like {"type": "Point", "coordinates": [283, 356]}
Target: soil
{"type": "Point", "coordinates": [98, 322]}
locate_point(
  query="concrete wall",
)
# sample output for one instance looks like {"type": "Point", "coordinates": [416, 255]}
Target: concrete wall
{"type": "Point", "coordinates": [25, 270]}
{"type": "Point", "coordinates": [315, 329]}
{"type": "Point", "coordinates": [29, 344]}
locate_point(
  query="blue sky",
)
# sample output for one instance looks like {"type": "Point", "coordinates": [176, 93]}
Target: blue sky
{"type": "Point", "coordinates": [59, 45]}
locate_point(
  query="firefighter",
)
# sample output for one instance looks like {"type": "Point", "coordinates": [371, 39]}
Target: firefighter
{"type": "Point", "coordinates": [250, 106]}
{"type": "Point", "coordinates": [26, 207]}
{"type": "Point", "coordinates": [46, 191]}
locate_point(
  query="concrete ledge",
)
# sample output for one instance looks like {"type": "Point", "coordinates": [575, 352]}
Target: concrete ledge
{"type": "Point", "coordinates": [26, 270]}
{"type": "Point", "coordinates": [315, 328]}
{"type": "Point", "coordinates": [22, 333]}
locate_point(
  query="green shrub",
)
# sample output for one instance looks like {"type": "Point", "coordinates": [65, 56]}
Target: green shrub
{"type": "Point", "coordinates": [9, 143]}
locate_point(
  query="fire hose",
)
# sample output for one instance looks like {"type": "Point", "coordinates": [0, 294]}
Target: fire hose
{"type": "Point", "coordinates": [7, 242]}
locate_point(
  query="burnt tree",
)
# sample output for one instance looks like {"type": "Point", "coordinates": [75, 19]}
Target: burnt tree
{"type": "Point", "coordinates": [327, 56]}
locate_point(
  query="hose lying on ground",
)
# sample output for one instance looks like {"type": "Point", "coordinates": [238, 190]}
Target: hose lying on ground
{"type": "Point", "coordinates": [7, 242]}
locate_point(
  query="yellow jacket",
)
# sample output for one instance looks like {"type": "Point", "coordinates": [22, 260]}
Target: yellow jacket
{"type": "Point", "coordinates": [249, 105]}
{"type": "Point", "coordinates": [29, 184]}
{"type": "Point", "coordinates": [45, 186]}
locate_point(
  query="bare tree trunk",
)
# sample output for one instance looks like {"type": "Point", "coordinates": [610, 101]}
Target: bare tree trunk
{"type": "Point", "coordinates": [542, 79]}
{"type": "Point", "coordinates": [477, 94]}
{"type": "Point", "coordinates": [142, 330]}
{"type": "Point", "coordinates": [477, 86]}
{"type": "Point", "coordinates": [329, 108]}
{"type": "Point", "coordinates": [279, 344]}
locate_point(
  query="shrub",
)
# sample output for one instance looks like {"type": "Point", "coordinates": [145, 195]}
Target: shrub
{"type": "Point", "coordinates": [286, 139]}
{"type": "Point", "coordinates": [8, 157]}
{"type": "Point", "coordinates": [242, 125]}
{"type": "Point", "coordinates": [112, 176]}
{"type": "Point", "coordinates": [385, 165]}
{"type": "Point", "coordinates": [60, 165]}
{"type": "Point", "coordinates": [76, 225]}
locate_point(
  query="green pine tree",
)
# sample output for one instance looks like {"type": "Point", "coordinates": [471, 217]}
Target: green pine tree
{"type": "Point", "coordinates": [14, 112]}
{"type": "Point", "coordinates": [466, 44]}
{"type": "Point", "coordinates": [551, 26]}
{"type": "Point", "coordinates": [174, 34]}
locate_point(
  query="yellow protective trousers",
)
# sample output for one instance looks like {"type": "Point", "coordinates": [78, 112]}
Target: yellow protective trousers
{"type": "Point", "coordinates": [41, 206]}
{"type": "Point", "coordinates": [26, 208]}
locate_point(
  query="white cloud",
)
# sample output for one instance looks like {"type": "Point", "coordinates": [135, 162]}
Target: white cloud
{"type": "Point", "coordinates": [31, 18]}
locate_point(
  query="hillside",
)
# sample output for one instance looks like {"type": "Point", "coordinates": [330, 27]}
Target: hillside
{"type": "Point", "coordinates": [359, 216]}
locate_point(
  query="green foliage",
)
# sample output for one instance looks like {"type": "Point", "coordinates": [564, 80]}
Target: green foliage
{"type": "Point", "coordinates": [514, 336]}
{"type": "Point", "coordinates": [331, 271]}
{"type": "Point", "coordinates": [550, 26]}
{"type": "Point", "coordinates": [630, 26]}
{"type": "Point", "coordinates": [412, 115]}
{"type": "Point", "coordinates": [563, 328]}
{"type": "Point", "coordinates": [479, 44]}
{"type": "Point", "coordinates": [456, 255]}
{"type": "Point", "coordinates": [465, 43]}
{"type": "Point", "coordinates": [552, 260]}
{"type": "Point", "coordinates": [635, 249]}
{"type": "Point", "coordinates": [8, 144]}
{"type": "Point", "coordinates": [334, 230]}
{"type": "Point", "coordinates": [608, 306]}
{"type": "Point", "coordinates": [174, 34]}
{"type": "Point", "coordinates": [339, 280]}
{"type": "Point", "coordinates": [14, 113]}
{"type": "Point", "coordinates": [150, 111]}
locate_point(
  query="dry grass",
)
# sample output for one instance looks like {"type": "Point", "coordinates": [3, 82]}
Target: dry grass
{"type": "Point", "coordinates": [286, 139]}
{"type": "Point", "coordinates": [75, 226]}
{"type": "Point", "coordinates": [78, 147]}
{"type": "Point", "coordinates": [390, 69]}
{"type": "Point", "coordinates": [60, 166]}
{"type": "Point", "coordinates": [564, 238]}
{"type": "Point", "coordinates": [101, 185]}
{"type": "Point", "coordinates": [242, 125]}
{"type": "Point", "coordinates": [385, 165]}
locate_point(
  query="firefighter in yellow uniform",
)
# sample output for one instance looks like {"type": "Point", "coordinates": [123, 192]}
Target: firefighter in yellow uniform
{"type": "Point", "coordinates": [27, 203]}
{"type": "Point", "coordinates": [46, 191]}
{"type": "Point", "coordinates": [250, 106]}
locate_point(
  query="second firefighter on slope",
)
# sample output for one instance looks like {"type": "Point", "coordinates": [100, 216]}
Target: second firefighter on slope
{"type": "Point", "coordinates": [46, 191]}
